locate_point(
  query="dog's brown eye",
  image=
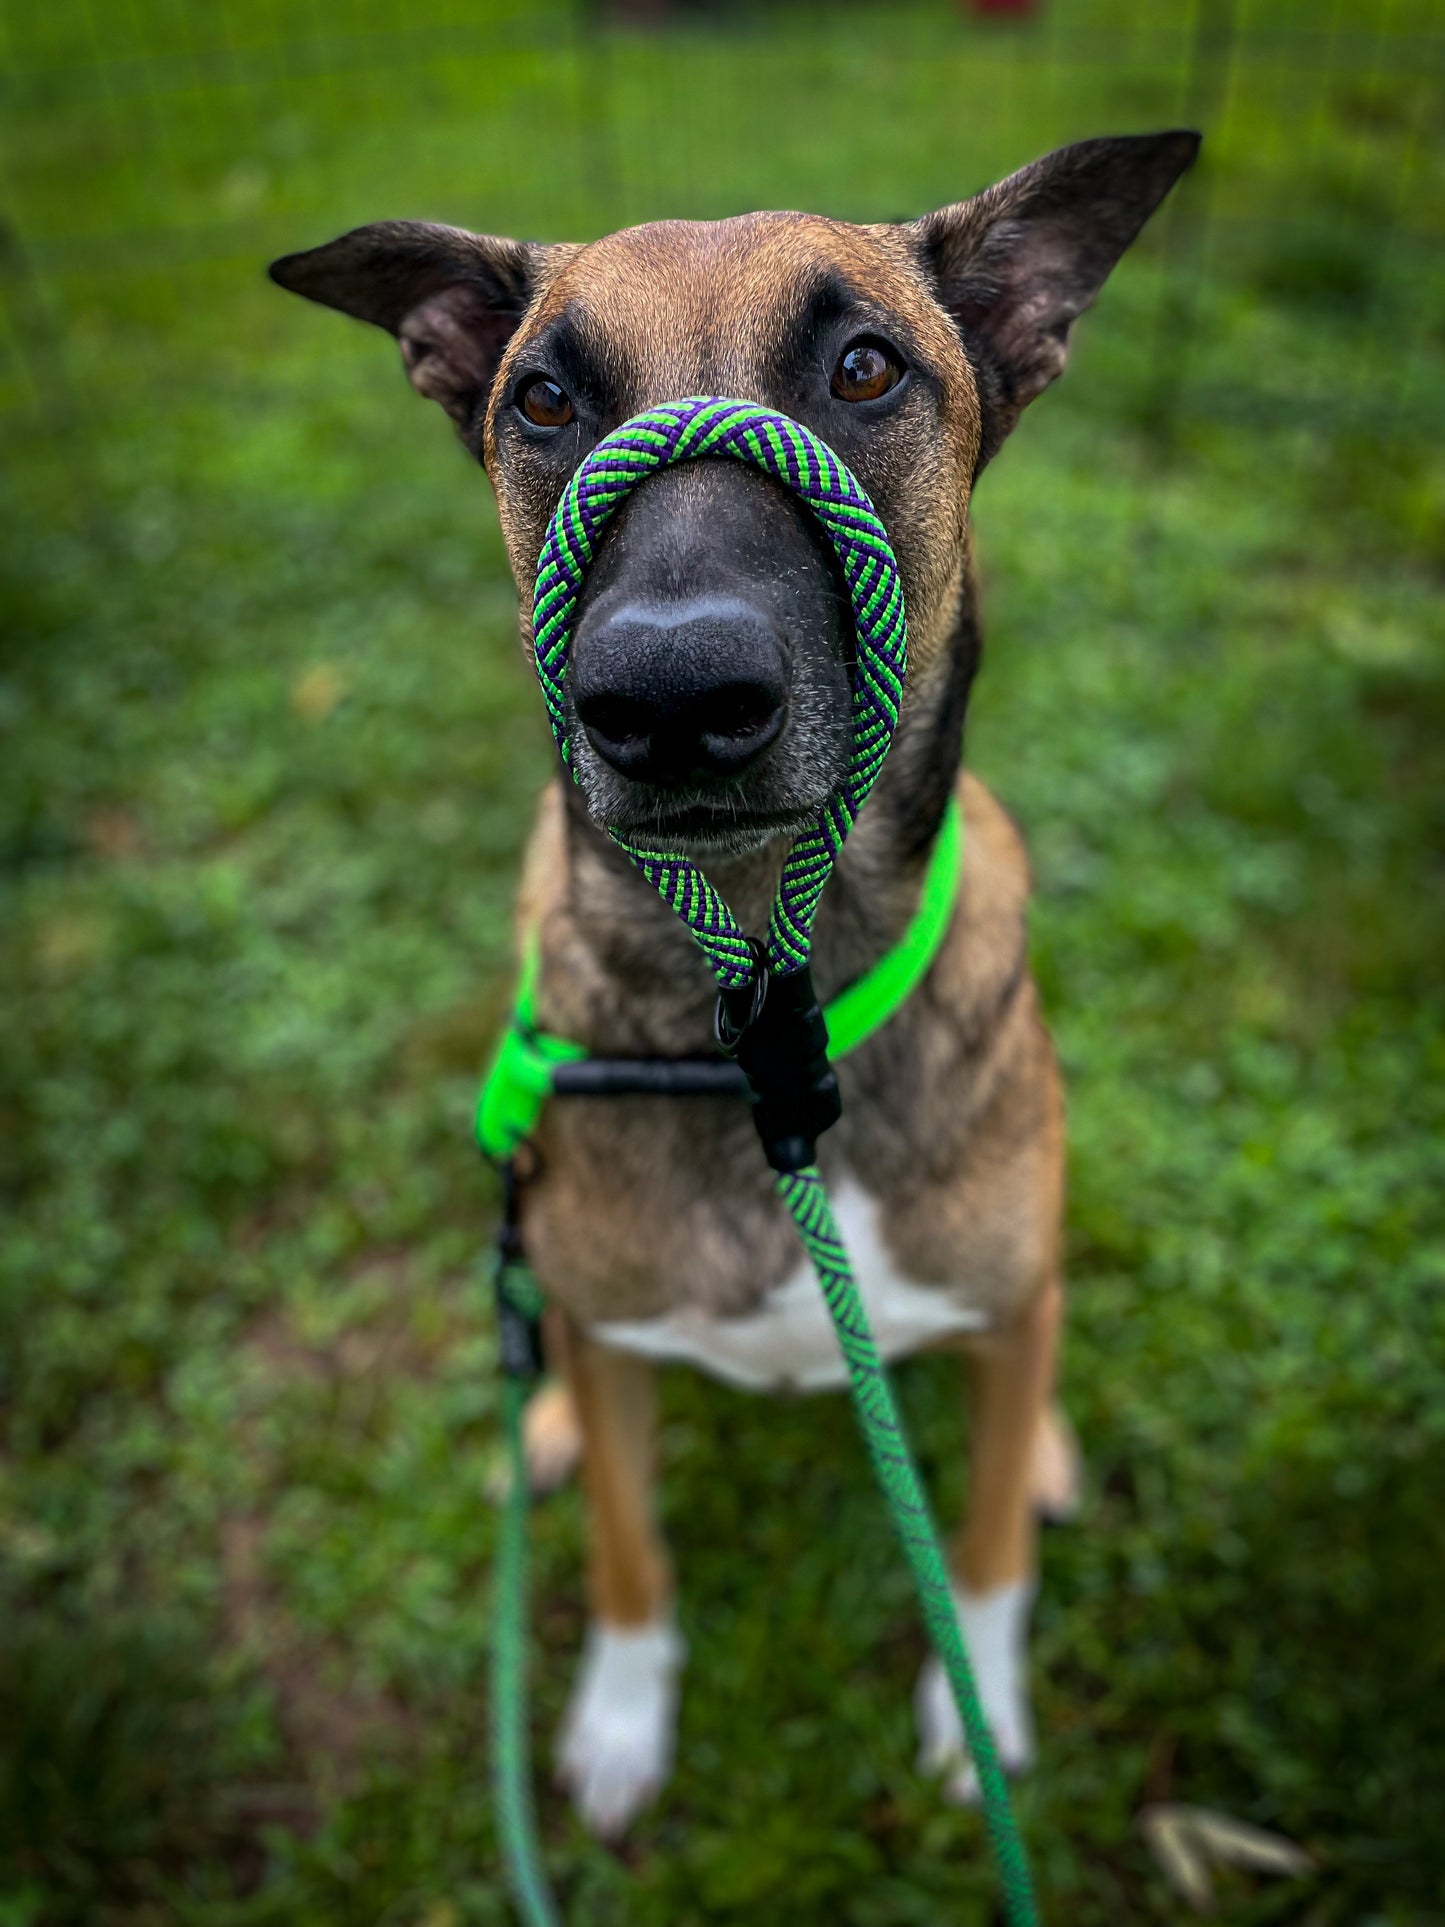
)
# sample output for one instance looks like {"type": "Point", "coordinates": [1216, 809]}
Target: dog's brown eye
{"type": "Point", "coordinates": [865, 371]}
{"type": "Point", "coordinates": [544, 403]}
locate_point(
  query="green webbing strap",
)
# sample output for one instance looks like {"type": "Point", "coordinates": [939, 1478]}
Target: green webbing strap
{"type": "Point", "coordinates": [519, 1079]}
{"type": "Point", "coordinates": [770, 1018]}
{"type": "Point", "coordinates": [855, 1013]}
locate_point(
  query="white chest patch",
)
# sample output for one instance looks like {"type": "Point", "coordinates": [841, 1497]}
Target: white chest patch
{"type": "Point", "coordinates": [788, 1343]}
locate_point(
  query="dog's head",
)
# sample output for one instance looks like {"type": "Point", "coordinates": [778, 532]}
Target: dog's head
{"type": "Point", "coordinates": [709, 678]}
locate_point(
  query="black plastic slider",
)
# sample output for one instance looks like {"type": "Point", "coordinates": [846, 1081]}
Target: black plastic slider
{"type": "Point", "coordinates": [774, 1027]}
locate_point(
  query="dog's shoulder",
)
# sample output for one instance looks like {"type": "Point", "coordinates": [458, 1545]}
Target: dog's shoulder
{"type": "Point", "coordinates": [996, 874]}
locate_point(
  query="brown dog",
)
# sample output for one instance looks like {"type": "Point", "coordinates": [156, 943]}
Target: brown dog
{"type": "Point", "coordinates": [709, 691]}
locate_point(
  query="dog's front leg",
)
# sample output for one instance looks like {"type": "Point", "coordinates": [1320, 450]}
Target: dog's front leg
{"type": "Point", "coordinates": [1011, 1381]}
{"type": "Point", "coordinates": [616, 1745]}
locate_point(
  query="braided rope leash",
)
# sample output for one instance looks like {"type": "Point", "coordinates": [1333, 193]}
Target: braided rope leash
{"type": "Point", "coordinates": [767, 1016]}
{"type": "Point", "coordinates": [511, 1753]}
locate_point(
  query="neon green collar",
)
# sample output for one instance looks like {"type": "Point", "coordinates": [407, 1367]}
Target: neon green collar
{"type": "Point", "coordinates": [522, 1075]}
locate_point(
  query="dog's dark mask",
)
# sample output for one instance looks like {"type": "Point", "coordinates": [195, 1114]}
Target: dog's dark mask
{"type": "Point", "coordinates": [709, 680]}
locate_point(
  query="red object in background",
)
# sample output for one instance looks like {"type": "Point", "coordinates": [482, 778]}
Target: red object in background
{"type": "Point", "coordinates": [1016, 7]}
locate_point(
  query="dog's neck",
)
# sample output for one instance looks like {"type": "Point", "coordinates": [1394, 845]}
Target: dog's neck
{"type": "Point", "coordinates": [653, 993]}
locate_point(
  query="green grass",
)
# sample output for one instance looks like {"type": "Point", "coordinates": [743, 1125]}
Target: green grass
{"type": "Point", "coordinates": [268, 751]}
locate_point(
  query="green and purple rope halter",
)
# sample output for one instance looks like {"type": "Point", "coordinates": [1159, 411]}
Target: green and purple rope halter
{"type": "Point", "coordinates": [760, 975]}
{"type": "Point", "coordinates": [681, 431]}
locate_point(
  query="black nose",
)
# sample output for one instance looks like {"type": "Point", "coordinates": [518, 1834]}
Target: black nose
{"type": "Point", "coordinates": [684, 690]}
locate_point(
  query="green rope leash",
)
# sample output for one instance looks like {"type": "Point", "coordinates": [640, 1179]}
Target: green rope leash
{"type": "Point", "coordinates": [806, 1197]}
{"type": "Point", "coordinates": [519, 1313]}
{"type": "Point", "coordinates": [769, 1018]}
{"type": "Point", "coordinates": [511, 1753]}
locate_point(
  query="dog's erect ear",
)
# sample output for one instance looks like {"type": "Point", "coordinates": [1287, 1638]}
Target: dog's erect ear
{"type": "Point", "coordinates": [1018, 264]}
{"type": "Point", "coordinates": [451, 298]}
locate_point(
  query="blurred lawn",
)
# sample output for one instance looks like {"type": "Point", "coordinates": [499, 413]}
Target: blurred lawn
{"type": "Point", "coordinates": [268, 751]}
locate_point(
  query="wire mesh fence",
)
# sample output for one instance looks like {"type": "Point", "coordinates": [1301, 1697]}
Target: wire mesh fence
{"type": "Point", "coordinates": [157, 152]}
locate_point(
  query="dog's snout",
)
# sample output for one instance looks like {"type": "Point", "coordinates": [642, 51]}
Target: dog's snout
{"type": "Point", "coordinates": [680, 692]}
{"type": "Point", "coordinates": [707, 686]}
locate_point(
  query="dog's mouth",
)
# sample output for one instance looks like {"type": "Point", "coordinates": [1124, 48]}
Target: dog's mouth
{"type": "Point", "coordinates": [711, 826]}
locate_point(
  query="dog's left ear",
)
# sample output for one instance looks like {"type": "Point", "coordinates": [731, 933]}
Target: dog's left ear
{"type": "Point", "coordinates": [1018, 264]}
{"type": "Point", "coordinates": [451, 298]}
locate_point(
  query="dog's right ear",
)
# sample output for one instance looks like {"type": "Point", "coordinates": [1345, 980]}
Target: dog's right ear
{"type": "Point", "coordinates": [1018, 264]}
{"type": "Point", "coordinates": [452, 299]}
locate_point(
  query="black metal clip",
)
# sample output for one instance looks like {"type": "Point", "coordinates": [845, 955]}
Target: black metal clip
{"type": "Point", "coordinates": [774, 1027]}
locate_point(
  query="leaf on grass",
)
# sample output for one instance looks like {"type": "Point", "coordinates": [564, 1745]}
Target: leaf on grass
{"type": "Point", "coordinates": [1189, 1842]}
{"type": "Point", "coordinates": [316, 693]}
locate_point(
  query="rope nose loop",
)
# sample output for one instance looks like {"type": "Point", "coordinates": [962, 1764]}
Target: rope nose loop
{"type": "Point", "coordinates": [683, 431]}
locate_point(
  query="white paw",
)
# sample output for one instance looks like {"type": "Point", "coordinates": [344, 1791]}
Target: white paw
{"type": "Point", "coordinates": [995, 1629]}
{"type": "Point", "coordinates": [614, 1753]}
